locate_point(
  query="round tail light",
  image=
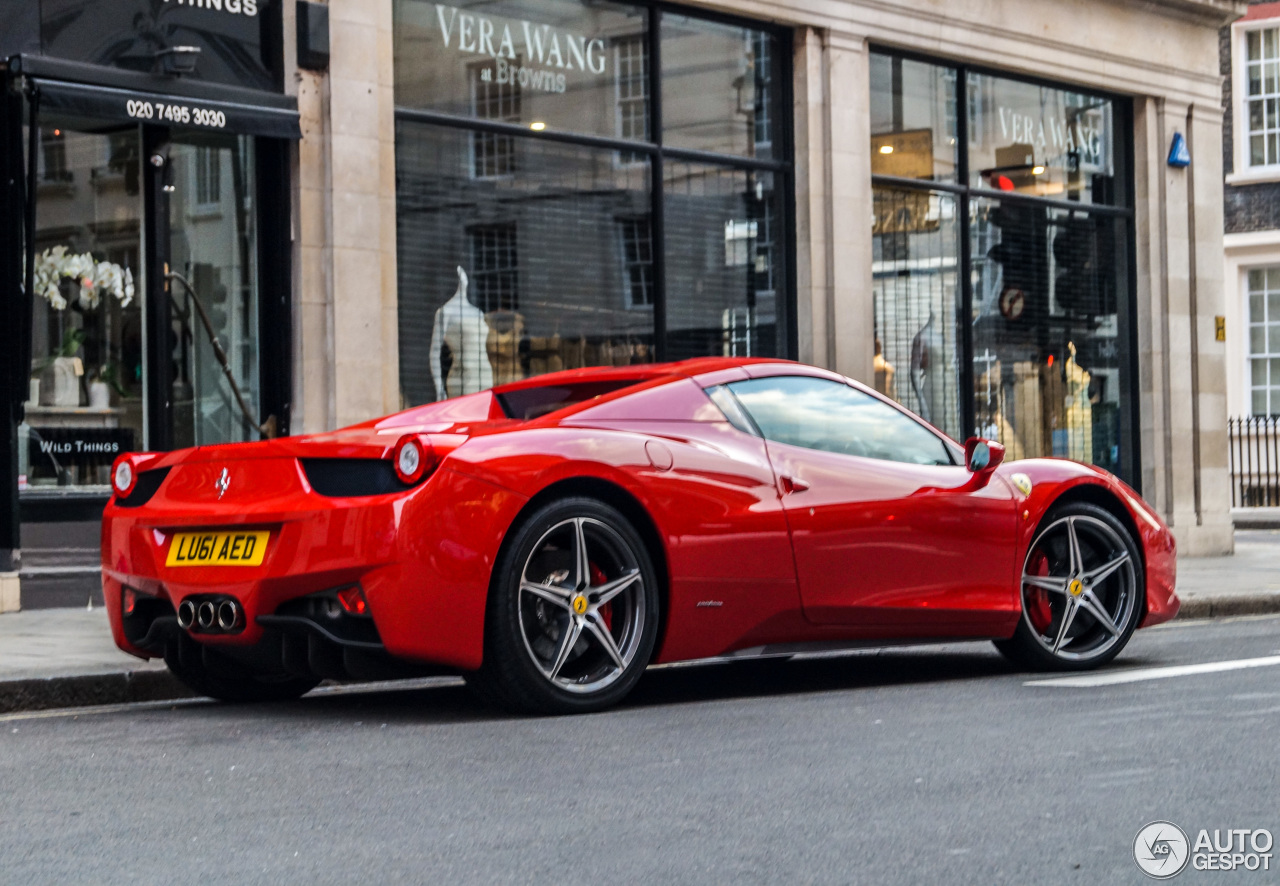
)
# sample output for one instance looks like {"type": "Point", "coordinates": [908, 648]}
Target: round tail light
{"type": "Point", "coordinates": [123, 476]}
{"type": "Point", "coordinates": [412, 459]}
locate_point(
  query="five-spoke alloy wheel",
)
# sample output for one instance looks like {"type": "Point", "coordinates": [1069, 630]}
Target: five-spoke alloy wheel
{"type": "Point", "coordinates": [1081, 589]}
{"type": "Point", "coordinates": [573, 611]}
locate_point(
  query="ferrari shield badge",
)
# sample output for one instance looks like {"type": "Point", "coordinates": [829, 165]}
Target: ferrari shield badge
{"type": "Point", "coordinates": [1023, 482]}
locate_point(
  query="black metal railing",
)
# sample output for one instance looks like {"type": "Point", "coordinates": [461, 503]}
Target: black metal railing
{"type": "Point", "coordinates": [1254, 446]}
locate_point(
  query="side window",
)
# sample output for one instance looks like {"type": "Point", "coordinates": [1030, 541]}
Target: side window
{"type": "Point", "coordinates": [819, 414]}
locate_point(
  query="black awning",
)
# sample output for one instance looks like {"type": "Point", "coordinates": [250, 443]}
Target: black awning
{"type": "Point", "coordinates": [179, 112]}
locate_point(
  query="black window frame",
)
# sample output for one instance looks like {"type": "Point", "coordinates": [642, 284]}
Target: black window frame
{"type": "Point", "coordinates": [657, 154]}
{"type": "Point", "coordinates": [1123, 208]}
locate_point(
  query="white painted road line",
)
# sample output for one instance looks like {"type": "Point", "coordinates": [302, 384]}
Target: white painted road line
{"type": "Point", "coordinates": [1137, 675]}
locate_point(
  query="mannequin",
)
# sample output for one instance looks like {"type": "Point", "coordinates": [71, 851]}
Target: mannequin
{"type": "Point", "coordinates": [1079, 417]}
{"type": "Point", "coordinates": [506, 331]}
{"type": "Point", "coordinates": [460, 325]}
{"type": "Point", "coordinates": [884, 374]}
{"type": "Point", "coordinates": [991, 405]}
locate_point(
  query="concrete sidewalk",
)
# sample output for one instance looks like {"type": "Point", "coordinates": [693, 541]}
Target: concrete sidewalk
{"type": "Point", "coordinates": [65, 657]}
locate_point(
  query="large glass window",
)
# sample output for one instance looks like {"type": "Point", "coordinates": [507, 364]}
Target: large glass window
{"type": "Point", "coordinates": [913, 119]}
{"type": "Point", "coordinates": [1002, 291]}
{"type": "Point", "coordinates": [916, 289]}
{"type": "Point", "coordinates": [546, 64]}
{"type": "Point", "coordinates": [213, 244]}
{"type": "Point", "coordinates": [1048, 336]}
{"type": "Point", "coordinates": [1042, 141]}
{"type": "Point", "coordinates": [531, 234]}
{"type": "Point", "coordinates": [717, 85]}
{"type": "Point", "coordinates": [86, 392]}
{"type": "Point", "coordinates": [493, 286]}
{"type": "Point", "coordinates": [719, 264]}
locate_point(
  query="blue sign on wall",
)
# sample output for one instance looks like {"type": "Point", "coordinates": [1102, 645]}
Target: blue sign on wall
{"type": "Point", "coordinates": [1179, 155]}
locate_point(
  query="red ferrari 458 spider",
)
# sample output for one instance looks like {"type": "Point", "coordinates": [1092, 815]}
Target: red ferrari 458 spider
{"type": "Point", "coordinates": [550, 538]}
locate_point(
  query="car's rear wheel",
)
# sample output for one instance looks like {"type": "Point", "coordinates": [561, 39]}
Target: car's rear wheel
{"type": "Point", "coordinates": [1082, 591]}
{"type": "Point", "coordinates": [186, 661]}
{"type": "Point", "coordinates": [573, 612]}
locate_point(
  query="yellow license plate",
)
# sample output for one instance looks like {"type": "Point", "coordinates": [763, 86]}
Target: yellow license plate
{"type": "Point", "coordinates": [218, 549]}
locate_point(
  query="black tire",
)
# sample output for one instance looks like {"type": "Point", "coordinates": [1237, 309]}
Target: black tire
{"type": "Point", "coordinates": [186, 661]}
{"type": "Point", "coordinates": [1056, 586]}
{"type": "Point", "coordinates": [571, 643]}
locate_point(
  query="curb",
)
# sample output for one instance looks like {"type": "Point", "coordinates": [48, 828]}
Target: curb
{"type": "Point", "coordinates": [1225, 605]}
{"type": "Point", "coordinates": [87, 691]}
{"type": "Point", "coordinates": [159, 685]}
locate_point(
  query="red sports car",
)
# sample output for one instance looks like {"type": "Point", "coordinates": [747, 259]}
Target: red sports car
{"type": "Point", "coordinates": [552, 537]}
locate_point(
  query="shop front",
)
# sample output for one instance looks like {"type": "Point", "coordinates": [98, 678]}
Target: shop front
{"type": "Point", "coordinates": [1003, 286]}
{"type": "Point", "coordinates": [587, 183]}
{"type": "Point", "coordinates": [146, 261]}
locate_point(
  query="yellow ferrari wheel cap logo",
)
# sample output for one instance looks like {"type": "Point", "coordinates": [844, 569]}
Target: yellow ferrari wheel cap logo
{"type": "Point", "coordinates": [1023, 482]}
{"type": "Point", "coordinates": [580, 604]}
{"type": "Point", "coordinates": [1076, 588]}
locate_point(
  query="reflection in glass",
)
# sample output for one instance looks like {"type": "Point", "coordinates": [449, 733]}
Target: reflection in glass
{"type": "Point", "coordinates": [86, 390]}
{"type": "Point", "coordinates": [820, 414]}
{"type": "Point", "coordinates": [722, 262]}
{"type": "Point", "coordinates": [1049, 367]}
{"type": "Point", "coordinates": [913, 119]}
{"type": "Point", "coordinates": [213, 243]}
{"type": "Point", "coordinates": [1043, 141]}
{"type": "Point", "coordinates": [633, 92]}
{"type": "Point", "coordinates": [546, 64]}
{"type": "Point", "coordinates": [493, 154]}
{"type": "Point", "coordinates": [915, 278]}
{"type": "Point", "coordinates": [557, 262]}
{"type": "Point", "coordinates": [718, 89]}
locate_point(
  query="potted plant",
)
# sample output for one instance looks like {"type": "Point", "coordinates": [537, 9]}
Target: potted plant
{"type": "Point", "coordinates": [104, 380]}
{"type": "Point", "coordinates": [60, 377]}
{"type": "Point", "coordinates": [59, 382]}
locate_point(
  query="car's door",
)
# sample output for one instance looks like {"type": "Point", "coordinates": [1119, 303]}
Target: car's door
{"type": "Point", "coordinates": [883, 529]}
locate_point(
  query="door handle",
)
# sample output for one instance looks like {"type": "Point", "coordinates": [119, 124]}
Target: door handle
{"type": "Point", "coordinates": [792, 485]}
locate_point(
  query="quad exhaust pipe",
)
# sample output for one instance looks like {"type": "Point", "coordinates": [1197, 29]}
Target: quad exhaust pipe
{"type": "Point", "coordinates": [228, 614]}
{"type": "Point", "coordinates": [210, 615]}
{"type": "Point", "coordinates": [206, 613]}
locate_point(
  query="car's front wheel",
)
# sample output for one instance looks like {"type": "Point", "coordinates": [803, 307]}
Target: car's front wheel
{"type": "Point", "coordinates": [573, 611]}
{"type": "Point", "coordinates": [1082, 591]}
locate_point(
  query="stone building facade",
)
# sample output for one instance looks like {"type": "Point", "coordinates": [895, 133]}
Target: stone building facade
{"type": "Point", "coordinates": [1251, 312]}
{"type": "Point", "coordinates": [967, 203]}
{"type": "Point", "coordinates": [1176, 372]}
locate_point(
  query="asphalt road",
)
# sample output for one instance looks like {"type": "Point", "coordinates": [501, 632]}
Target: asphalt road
{"type": "Point", "coordinates": [904, 766]}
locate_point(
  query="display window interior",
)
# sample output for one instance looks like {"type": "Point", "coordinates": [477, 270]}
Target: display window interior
{"type": "Point", "coordinates": [85, 404]}
{"type": "Point", "coordinates": [1006, 268]}
{"type": "Point", "coordinates": [635, 235]}
{"type": "Point", "coordinates": [88, 394]}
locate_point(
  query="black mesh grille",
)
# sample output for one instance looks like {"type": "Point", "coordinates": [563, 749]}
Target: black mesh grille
{"type": "Point", "coordinates": [347, 477]}
{"type": "Point", "coordinates": [147, 486]}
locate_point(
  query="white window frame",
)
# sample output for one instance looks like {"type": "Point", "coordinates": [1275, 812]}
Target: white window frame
{"type": "Point", "coordinates": [213, 156]}
{"type": "Point", "coordinates": [624, 159]}
{"type": "Point", "coordinates": [1243, 253]}
{"type": "Point", "coordinates": [1242, 171]}
{"type": "Point", "coordinates": [628, 293]}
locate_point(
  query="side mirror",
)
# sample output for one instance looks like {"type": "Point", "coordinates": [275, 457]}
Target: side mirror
{"type": "Point", "coordinates": [982, 456]}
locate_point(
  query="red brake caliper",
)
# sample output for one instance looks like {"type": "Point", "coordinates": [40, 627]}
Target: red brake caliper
{"type": "Point", "coordinates": [1038, 609]}
{"type": "Point", "coordinates": [598, 578]}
